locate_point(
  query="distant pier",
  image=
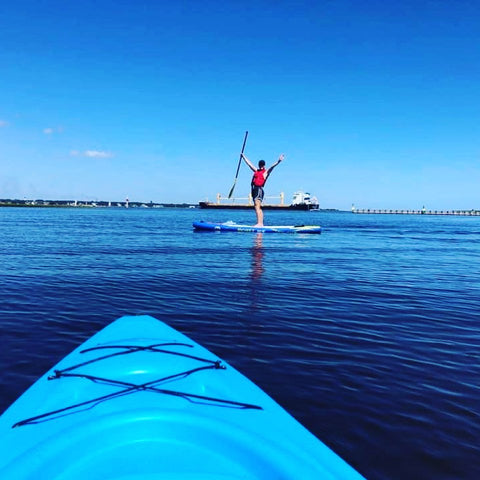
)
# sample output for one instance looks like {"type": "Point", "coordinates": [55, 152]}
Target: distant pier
{"type": "Point", "coordinates": [423, 211]}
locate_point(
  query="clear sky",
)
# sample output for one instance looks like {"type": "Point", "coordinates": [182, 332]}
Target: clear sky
{"type": "Point", "coordinates": [375, 103]}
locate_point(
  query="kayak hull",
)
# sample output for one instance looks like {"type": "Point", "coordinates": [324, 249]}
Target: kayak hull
{"type": "Point", "coordinates": [141, 400]}
{"type": "Point", "coordinates": [235, 227]}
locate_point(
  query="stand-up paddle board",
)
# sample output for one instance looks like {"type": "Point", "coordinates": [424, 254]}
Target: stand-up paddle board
{"type": "Point", "coordinates": [235, 227]}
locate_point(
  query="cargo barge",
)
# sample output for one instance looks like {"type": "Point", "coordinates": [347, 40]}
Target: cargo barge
{"type": "Point", "coordinates": [244, 206]}
{"type": "Point", "coordinates": [301, 201]}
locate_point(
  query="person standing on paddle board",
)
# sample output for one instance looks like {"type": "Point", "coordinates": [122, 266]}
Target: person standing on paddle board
{"type": "Point", "coordinates": [260, 176]}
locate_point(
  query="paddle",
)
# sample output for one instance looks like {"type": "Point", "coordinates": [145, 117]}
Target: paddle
{"type": "Point", "coordinates": [238, 168]}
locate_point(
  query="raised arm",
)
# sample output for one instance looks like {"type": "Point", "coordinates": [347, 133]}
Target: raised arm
{"type": "Point", "coordinates": [280, 159]}
{"type": "Point", "coordinates": [248, 162]}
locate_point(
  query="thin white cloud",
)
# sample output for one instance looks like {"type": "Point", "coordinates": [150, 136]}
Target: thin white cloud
{"type": "Point", "coordinates": [91, 154]}
{"type": "Point", "coordinates": [50, 130]}
{"type": "Point", "coordinates": [98, 154]}
{"type": "Point", "coordinates": [3, 123]}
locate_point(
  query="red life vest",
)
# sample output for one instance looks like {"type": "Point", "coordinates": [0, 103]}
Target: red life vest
{"type": "Point", "coordinates": [258, 178]}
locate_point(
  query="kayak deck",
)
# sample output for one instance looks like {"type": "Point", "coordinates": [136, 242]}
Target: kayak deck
{"type": "Point", "coordinates": [235, 227]}
{"type": "Point", "coordinates": [141, 400]}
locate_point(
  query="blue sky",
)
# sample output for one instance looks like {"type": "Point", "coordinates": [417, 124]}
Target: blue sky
{"type": "Point", "coordinates": [374, 103]}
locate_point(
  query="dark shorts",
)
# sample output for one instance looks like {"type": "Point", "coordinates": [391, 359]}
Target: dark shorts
{"type": "Point", "coordinates": [257, 193]}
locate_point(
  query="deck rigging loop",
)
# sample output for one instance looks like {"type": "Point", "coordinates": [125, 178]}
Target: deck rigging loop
{"type": "Point", "coordinates": [127, 388]}
{"type": "Point", "coordinates": [127, 349]}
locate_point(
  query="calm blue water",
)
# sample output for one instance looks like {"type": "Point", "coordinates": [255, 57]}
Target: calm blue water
{"type": "Point", "coordinates": [368, 334]}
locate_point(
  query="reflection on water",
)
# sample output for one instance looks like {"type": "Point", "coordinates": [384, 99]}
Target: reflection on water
{"type": "Point", "coordinates": [257, 257]}
{"type": "Point", "coordinates": [256, 271]}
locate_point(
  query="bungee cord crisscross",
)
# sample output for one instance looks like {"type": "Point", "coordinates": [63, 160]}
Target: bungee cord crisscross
{"type": "Point", "coordinates": [128, 387]}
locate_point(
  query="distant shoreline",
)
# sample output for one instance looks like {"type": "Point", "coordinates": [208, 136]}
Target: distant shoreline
{"type": "Point", "coordinates": [88, 204]}
{"type": "Point", "coordinates": [105, 204]}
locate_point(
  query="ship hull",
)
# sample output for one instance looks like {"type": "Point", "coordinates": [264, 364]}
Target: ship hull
{"type": "Point", "coordinates": [243, 206]}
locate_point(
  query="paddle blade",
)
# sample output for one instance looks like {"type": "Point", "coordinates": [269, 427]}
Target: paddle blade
{"type": "Point", "coordinates": [232, 189]}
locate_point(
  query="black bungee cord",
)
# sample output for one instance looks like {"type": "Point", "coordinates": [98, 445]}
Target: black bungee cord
{"type": "Point", "coordinates": [129, 388]}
